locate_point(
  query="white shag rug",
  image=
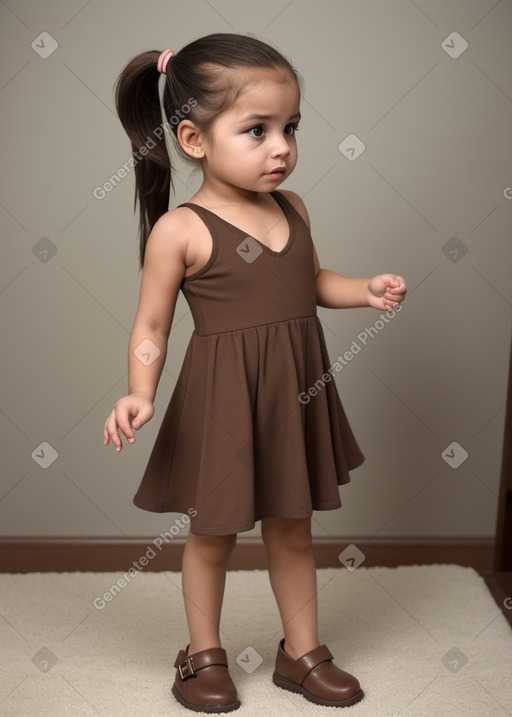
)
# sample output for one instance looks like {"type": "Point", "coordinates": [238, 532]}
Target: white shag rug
{"type": "Point", "coordinates": [424, 641]}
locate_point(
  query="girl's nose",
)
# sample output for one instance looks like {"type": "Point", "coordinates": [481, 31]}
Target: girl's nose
{"type": "Point", "coordinates": [280, 146]}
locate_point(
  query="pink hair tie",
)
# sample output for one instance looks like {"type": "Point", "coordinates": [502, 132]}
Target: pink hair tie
{"type": "Point", "coordinates": [163, 60]}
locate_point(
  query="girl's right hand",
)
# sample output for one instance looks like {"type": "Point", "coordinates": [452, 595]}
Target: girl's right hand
{"type": "Point", "coordinates": [129, 413]}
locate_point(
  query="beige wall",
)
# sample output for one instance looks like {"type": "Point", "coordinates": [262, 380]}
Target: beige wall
{"type": "Point", "coordinates": [437, 165]}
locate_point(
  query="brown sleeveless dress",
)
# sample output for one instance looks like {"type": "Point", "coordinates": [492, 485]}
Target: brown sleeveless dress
{"type": "Point", "coordinates": [236, 444]}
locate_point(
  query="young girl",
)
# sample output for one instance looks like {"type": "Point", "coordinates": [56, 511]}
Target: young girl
{"type": "Point", "coordinates": [255, 430]}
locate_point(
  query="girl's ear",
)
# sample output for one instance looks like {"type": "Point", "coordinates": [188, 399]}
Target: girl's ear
{"type": "Point", "coordinates": [190, 139]}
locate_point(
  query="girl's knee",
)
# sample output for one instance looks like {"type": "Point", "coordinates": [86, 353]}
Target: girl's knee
{"type": "Point", "coordinates": [287, 534]}
{"type": "Point", "coordinates": [213, 549]}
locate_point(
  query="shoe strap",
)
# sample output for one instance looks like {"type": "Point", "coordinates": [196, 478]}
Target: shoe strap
{"type": "Point", "coordinates": [188, 666]}
{"type": "Point", "coordinates": [301, 668]}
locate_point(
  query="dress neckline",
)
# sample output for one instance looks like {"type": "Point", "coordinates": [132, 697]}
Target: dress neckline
{"type": "Point", "coordinates": [281, 201]}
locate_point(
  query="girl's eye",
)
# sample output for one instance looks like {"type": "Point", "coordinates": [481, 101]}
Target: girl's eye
{"type": "Point", "coordinates": [290, 129]}
{"type": "Point", "coordinates": [256, 132]}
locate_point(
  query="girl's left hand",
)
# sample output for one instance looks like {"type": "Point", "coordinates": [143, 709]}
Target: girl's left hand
{"type": "Point", "coordinates": [386, 291]}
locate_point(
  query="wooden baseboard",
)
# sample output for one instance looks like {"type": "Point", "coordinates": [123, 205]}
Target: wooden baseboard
{"type": "Point", "coordinates": [48, 554]}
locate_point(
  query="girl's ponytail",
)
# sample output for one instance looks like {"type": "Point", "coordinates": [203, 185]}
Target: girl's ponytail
{"type": "Point", "coordinates": [138, 107]}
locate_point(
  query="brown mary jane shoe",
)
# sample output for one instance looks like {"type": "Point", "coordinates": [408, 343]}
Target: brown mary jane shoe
{"type": "Point", "coordinates": [203, 683]}
{"type": "Point", "coordinates": [316, 678]}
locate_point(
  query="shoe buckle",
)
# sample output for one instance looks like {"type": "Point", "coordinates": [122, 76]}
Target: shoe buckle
{"type": "Point", "coordinates": [186, 668]}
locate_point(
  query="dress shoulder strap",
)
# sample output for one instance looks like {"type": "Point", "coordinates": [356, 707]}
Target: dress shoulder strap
{"type": "Point", "coordinates": [206, 215]}
{"type": "Point", "coordinates": [288, 208]}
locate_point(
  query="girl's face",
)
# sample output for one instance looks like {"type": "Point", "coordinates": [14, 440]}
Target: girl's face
{"type": "Point", "coordinates": [252, 145]}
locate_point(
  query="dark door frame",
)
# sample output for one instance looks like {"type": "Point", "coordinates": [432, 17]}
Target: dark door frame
{"type": "Point", "coordinates": [500, 582]}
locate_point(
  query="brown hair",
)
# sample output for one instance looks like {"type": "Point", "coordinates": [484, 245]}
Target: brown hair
{"type": "Point", "coordinates": [199, 85]}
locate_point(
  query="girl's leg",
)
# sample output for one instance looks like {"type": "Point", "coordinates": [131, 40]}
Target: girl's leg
{"type": "Point", "coordinates": [205, 560]}
{"type": "Point", "coordinates": [292, 575]}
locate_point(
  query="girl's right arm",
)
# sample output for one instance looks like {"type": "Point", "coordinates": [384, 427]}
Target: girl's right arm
{"type": "Point", "coordinates": [164, 268]}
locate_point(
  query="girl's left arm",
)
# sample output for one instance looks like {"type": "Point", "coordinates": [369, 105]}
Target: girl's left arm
{"type": "Point", "coordinates": [334, 291]}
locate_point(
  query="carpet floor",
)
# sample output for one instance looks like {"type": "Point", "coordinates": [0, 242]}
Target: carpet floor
{"type": "Point", "coordinates": [424, 641]}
